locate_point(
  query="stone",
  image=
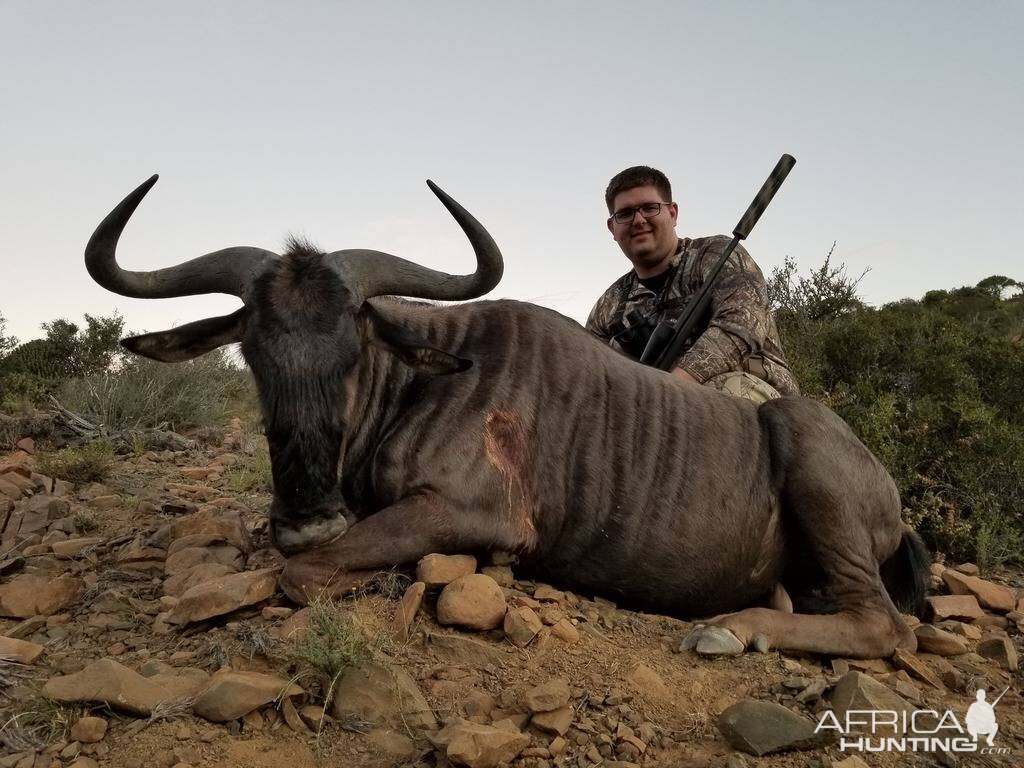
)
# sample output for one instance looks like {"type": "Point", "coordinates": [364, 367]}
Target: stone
{"type": "Point", "coordinates": [648, 683]}
{"type": "Point", "coordinates": [182, 682]}
{"type": "Point", "coordinates": [108, 682]}
{"type": "Point", "coordinates": [406, 611]}
{"type": "Point", "coordinates": [998, 649]}
{"type": "Point", "coordinates": [225, 595]}
{"type": "Point", "coordinates": [478, 703]}
{"type": "Point", "coordinates": [545, 593]}
{"type": "Point", "coordinates": [909, 662]}
{"type": "Point", "coordinates": [229, 524]}
{"type": "Point", "coordinates": [475, 745]}
{"type": "Point", "coordinates": [954, 607]}
{"type": "Point", "coordinates": [291, 717]}
{"type": "Point", "coordinates": [473, 601]}
{"type": "Point", "coordinates": [441, 570]}
{"type": "Point", "coordinates": [312, 715]}
{"type": "Point", "coordinates": [231, 694]}
{"type": "Point", "coordinates": [28, 595]}
{"type": "Point", "coordinates": [995, 597]}
{"type": "Point", "coordinates": [382, 695]}
{"type": "Point", "coordinates": [70, 548]}
{"type": "Point", "coordinates": [548, 696]}
{"type": "Point", "coordinates": [969, 569]}
{"type": "Point", "coordinates": [459, 649]}
{"type": "Point", "coordinates": [27, 628]}
{"type": "Point", "coordinates": [391, 743]}
{"type": "Point", "coordinates": [931, 639]}
{"type": "Point", "coordinates": [89, 730]}
{"type": "Point", "coordinates": [565, 631]}
{"type": "Point", "coordinates": [21, 651]}
{"type": "Point", "coordinates": [502, 574]}
{"type": "Point", "coordinates": [764, 727]}
{"type": "Point", "coordinates": [109, 501]}
{"type": "Point", "coordinates": [181, 583]}
{"type": "Point", "coordinates": [295, 627]}
{"type": "Point", "coordinates": [556, 722]}
{"type": "Point", "coordinates": [185, 559]}
{"type": "Point", "coordinates": [522, 625]}
{"type": "Point", "coordinates": [851, 762]}
{"type": "Point", "coordinates": [970, 631]}
{"type": "Point", "coordinates": [857, 691]}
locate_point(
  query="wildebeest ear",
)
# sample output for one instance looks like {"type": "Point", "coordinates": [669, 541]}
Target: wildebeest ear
{"type": "Point", "coordinates": [414, 352]}
{"type": "Point", "coordinates": [190, 340]}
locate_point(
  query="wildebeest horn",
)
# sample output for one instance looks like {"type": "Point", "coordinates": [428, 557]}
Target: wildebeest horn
{"type": "Point", "coordinates": [230, 270]}
{"type": "Point", "coordinates": [373, 273]}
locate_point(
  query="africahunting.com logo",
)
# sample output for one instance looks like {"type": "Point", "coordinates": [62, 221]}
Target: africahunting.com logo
{"type": "Point", "coordinates": [919, 730]}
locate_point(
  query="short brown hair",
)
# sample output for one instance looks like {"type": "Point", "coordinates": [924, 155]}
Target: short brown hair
{"type": "Point", "coordinates": [638, 176]}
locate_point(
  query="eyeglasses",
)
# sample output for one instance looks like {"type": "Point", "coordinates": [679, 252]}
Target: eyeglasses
{"type": "Point", "coordinates": [647, 210]}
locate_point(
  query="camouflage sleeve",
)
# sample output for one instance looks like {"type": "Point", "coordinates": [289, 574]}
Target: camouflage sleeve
{"type": "Point", "coordinates": [599, 321]}
{"type": "Point", "coordinates": [739, 314]}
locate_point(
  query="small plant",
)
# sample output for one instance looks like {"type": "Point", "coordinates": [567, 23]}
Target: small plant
{"type": "Point", "coordinates": [332, 643]}
{"type": "Point", "coordinates": [37, 726]}
{"type": "Point", "coordinates": [84, 523]}
{"type": "Point", "coordinates": [251, 474]}
{"type": "Point", "coordinates": [88, 463]}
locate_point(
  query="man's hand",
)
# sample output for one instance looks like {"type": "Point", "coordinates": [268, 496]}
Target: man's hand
{"type": "Point", "coordinates": [680, 373]}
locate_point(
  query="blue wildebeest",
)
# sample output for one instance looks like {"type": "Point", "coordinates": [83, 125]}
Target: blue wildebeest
{"type": "Point", "coordinates": [400, 428]}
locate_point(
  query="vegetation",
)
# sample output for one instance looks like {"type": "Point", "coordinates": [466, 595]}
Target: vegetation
{"type": "Point", "coordinates": [252, 473]}
{"type": "Point", "coordinates": [932, 387]}
{"type": "Point", "coordinates": [87, 463]}
{"type": "Point", "coordinates": [332, 644]}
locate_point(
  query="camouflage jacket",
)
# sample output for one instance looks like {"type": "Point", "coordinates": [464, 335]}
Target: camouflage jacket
{"type": "Point", "coordinates": [739, 333]}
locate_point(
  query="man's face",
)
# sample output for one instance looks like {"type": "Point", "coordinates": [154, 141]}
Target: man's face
{"type": "Point", "coordinates": [647, 242]}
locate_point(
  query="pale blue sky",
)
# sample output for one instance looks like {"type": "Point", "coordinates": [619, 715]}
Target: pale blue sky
{"type": "Point", "coordinates": [325, 118]}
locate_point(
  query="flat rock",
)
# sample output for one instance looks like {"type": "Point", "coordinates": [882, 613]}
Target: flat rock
{"type": "Point", "coordinates": [440, 570]}
{"type": "Point", "coordinates": [910, 663]}
{"type": "Point", "coordinates": [521, 625]}
{"type": "Point", "coordinates": [182, 682]}
{"type": "Point", "coordinates": [227, 523]}
{"type": "Point", "coordinates": [858, 691]}
{"type": "Point", "coordinates": [70, 548]}
{"type": "Point", "coordinates": [500, 573]}
{"type": "Point", "coordinates": [108, 682]}
{"type": "Point", "coordinates": [479, 746]}
{"type": "Point", "coordinates": [231, 694]}
{"type": "Point", "coordinates": [565, 631]}
{"type": "Point", "coordinates": [21, 651]}
{"type": "Point", "coordinates": [189, 557]}
{"type": "Point", "coordinates": [556, 722]}
{"type": "Point", "coordinates": [458, 649]}
{"type": "Point", "coordinates": [995, 597]}
{"type": "Point", "coordinates": [955, 607]}
{"type": "Point", "coordinates": [764, 727]}
{"type": "Point", "coordinates": [391, 743]}
{"type": "Point", "coordinates": [181, 583]}
{"type": "Point", "coordinates": [934, 640]}
{"type": "Point", "coordinates": [473, 601]}
{"type": "Point", "coordinates": [406, 611]}
{"type": "Point", "coordinates": [998, 649]}
{"type": "Point", "coordinates": [29, 595]}
{"type": "Point", "coordinates": [382, 695]}
{"type": "Point", "coordinates": [548, 696]}
{"type": "Point", "coordinates": [224, 595]}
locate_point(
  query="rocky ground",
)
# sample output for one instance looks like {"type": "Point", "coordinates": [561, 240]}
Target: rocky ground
{"type": "Point", "coordinates": [141, 625]}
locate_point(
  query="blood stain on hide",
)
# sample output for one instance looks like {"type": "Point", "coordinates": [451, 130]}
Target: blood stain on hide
{"type": "Point", "coordinates": [507, 449]}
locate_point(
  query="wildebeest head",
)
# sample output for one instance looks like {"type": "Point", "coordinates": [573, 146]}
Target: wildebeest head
{"type": "Point", "coordinates": [302, 328]}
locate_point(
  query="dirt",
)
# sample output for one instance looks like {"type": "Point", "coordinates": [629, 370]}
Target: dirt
{"type": "Point", "coordinates": [677, 697]}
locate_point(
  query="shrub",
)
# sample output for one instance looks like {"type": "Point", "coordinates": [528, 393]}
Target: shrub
{"type": "Point", "coordinates": [148, 394]}
{"type": "Point", "coordinates": [332, 643]}
{"type": "Point", "coordinates": [88, 463]}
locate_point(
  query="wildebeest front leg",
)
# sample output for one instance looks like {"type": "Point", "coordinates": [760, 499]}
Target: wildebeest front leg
{"type": "Point", "coordinates": [399, 534]}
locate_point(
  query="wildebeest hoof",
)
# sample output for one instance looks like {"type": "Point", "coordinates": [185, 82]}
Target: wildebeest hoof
{"type": "Point", "coordinates": [761, 643]}
{"type": "Point", "coordinates": [710, 640]}
{"type": "Point", "coordinates": [298, 536]}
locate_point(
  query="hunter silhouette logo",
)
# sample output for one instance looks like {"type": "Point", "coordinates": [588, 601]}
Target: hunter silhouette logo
{"type": "Point", "coordinates": [981, 717]}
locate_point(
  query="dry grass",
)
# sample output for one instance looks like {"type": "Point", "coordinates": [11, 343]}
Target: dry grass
{"type": "Point", "coordinates": [32, 728]}
{"type": "Point", "coordinates": [252, 474]}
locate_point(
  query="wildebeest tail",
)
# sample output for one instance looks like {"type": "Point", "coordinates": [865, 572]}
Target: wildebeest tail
{"type": "Point", "coordinates": [906, 576]}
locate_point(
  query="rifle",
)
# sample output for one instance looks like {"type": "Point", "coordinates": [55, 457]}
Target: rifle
{"type": "Point", "coordinates": [667, 340]}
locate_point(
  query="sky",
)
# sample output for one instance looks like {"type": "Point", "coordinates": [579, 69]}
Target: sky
{"type": "Point", "coordinates": [325, 119]}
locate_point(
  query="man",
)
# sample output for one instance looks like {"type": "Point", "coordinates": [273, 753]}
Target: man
{"type": "Point", "coordinates": [736, 348]}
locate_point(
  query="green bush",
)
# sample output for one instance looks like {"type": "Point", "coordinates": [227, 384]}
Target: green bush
{"type": "Point", "coordinates": [331, 644]}
{"type": "Point", "coordinates": [933, 388]}
{"type": "Point", "coordinates": [88, 463]}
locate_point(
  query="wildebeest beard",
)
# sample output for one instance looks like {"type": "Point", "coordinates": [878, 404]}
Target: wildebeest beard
{"type": "Point", "coordinates": [300, 341]}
